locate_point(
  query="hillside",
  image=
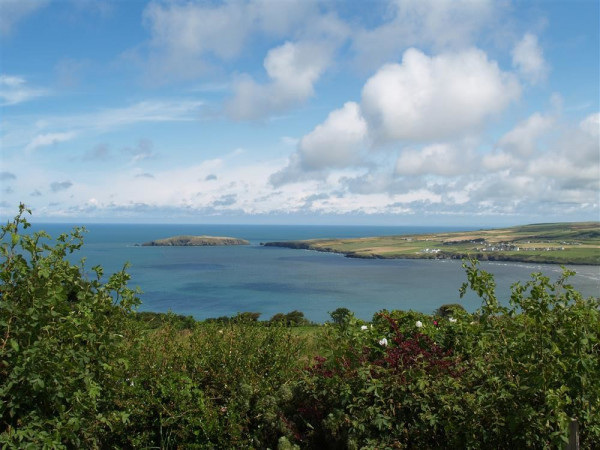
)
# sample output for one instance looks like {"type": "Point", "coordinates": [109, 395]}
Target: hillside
{"type": "Point", "coordinates": [553, 243]}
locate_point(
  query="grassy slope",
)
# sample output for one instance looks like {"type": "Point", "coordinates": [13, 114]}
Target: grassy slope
{"type": "Point", "coordinates": [559, 243]}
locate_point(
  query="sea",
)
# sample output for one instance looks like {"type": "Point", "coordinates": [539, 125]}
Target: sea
{"type": "Point", "coordinates": [208, 282]}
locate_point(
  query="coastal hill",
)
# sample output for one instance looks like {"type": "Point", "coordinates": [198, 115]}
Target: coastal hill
{"type": "Point", "coordinates": [553, 243]}
{"type": "Point", "coordinates": [189, 241]}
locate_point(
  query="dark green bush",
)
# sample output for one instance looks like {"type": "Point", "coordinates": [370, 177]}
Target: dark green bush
{"type": "Point", "coordinates": [61, 349]}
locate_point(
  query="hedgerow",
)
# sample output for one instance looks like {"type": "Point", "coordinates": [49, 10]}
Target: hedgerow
{"type": "Point", "coordinates": [80, 368]}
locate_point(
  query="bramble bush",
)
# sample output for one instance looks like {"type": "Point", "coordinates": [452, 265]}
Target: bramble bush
{"type": "Point", "coordinates": [61, 354]}
{"type": "Point", "coordinates": [502, 377]}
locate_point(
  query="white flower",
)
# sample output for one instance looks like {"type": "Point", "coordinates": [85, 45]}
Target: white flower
{"type": "Point", "coordinates": [383, 342]}
{"type": "Point", "coordinates": [452, 320]}
{"type": "Point", "coordinates": [364, 327]}
{"type": "Point", "coordinates": [419, 324]}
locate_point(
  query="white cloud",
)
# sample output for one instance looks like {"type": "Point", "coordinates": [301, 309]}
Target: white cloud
{"type": "Point", "coordinates": [591, 125]}
{"type": "Point", "coordinates": [336, 143]}
{"type": "Point", "coordinates": [429, 98]}
{"type": "Point", "coordinates": [43, 140]}
{"type": "Point", "coordinates": [523, 140]}
{"type": "Point", "coordinates": [435, 159]}
{"type": "Point", "coordinates": [499, 160]}
{"type": "Point", "coordinates": [146, 111]}
{"type": "Point", "coordinates": [293, 70]}
{"type": "Point", "coordinates": [528, 58]}
{"type": "Point", "coordinates": [103, 121]}
{"type": "Point", "coordinates": [422, 23]}
{"type": "Point", "coordinates": [14, 11]}
{"type": "Point", "coordinates": [14, 90]}
{"type": "Point", "coordinates": [188, 37]}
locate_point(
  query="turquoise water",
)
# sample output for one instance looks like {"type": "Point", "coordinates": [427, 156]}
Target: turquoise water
{"type": "Point", "coordinates": [222, 281]}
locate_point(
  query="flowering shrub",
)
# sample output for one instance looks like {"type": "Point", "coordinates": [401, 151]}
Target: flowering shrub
{"type": "Point", "coordinates": [502, 377]}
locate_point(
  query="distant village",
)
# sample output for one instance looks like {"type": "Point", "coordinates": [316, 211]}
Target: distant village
{"type": "Point", "coordinates": [498, 247]}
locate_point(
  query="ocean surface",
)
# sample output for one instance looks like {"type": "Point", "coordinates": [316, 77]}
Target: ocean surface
{"type": "Point", "coordinates": [222, 281]}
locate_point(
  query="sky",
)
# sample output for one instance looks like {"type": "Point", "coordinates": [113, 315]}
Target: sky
{"type": "Point", "coordinates": [399, 112]}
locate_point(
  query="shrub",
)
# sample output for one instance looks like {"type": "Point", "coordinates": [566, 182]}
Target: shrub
{"type": "Point", "coordinates": [506, 376]}
{"type": "Point", "coordinates": [61, 349]}
{"type": "Point", "coordinates": [216, 386]}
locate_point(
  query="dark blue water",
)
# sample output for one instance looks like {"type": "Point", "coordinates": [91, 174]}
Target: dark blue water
{"type": "Point", "coordinates": [222, 281]}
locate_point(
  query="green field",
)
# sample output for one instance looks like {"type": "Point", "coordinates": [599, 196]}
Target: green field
{"type": "Point", "coordinates": [554, 243]}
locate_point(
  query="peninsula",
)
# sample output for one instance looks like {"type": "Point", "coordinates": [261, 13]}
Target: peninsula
{"type": "Point", "coordinates": [552, 243]}
{"type": "Point", "coordinates": [200, 241]}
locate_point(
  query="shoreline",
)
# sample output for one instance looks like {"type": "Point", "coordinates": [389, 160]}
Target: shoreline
{"type": "Point", "coordinates": [565, 243]}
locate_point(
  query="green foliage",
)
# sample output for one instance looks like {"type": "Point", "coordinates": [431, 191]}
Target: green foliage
{"type": "Point", "coordinates": [506, 376]}
{"type": "Point", "coordinates": [154, 320]}
{"type": "Point", "coordinates": [450, 310]}
{"type": "Point", "coordinates": [61, 348]}
{"type": "Point", "coordinates": [216, 386]}
{"type": "Point", "coordinates": [341, 316]}
{"type": "Point", "coordinates": [292, 319]}
{"type": "Point", "coordinates": [79, 368]}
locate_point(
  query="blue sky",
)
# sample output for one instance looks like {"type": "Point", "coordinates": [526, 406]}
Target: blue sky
{"type": "Point", "coordinates": [271, 111]}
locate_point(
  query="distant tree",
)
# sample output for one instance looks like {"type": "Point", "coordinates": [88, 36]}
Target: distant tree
{"type": "Point", "coordinates": [296, 318]}
{"type": "Point", "coordinates": [293, 318]}
{"type": "Point", "coordinates": [278, 319]}
{"type": "Point", "coordinates": [246, 317]}
{"type": "Point", "coordinates": [340, 315]}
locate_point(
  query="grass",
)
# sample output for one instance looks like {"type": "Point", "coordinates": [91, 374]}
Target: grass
{"type": "Point", "coordinates": [555, 243]}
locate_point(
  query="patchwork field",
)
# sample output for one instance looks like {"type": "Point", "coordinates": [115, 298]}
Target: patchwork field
{"type": "Point", "coordinates": [554, 243]}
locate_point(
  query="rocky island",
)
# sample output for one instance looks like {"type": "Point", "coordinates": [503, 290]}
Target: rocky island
{"type": "Point", "coordinates": [195, 241]}
{"type": "Point", "coordinates": [552, 243]}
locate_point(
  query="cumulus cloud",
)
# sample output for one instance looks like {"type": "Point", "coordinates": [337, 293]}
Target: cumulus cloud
{"type": "Point", "coordinates": [14, 90]}
{"type": "Point", "coordinates": [424, 23]}
{"type": "Point", "coordinates": [430, 98]}
{"type": "Point", "coordinates": [591, 125]}
{"type": "Point", "coordinates": [336, 143]}
{"type": "Point", "coordinates": [293, 69]}
{"type": "Point", "coordinates": [13, 11]}
{"type": "Point", "coordinates": [528, 59]}
{"type": "Point", "coordinates": [499, 160]}
{"type": "Point", "coordinates": [523, 139]}
{"type": "Point", "coordinates": [187, 37]}
{"type": "Point", "coordinates": [435, 159]}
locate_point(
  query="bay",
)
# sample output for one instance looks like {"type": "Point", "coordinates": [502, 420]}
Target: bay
{"type": "Point", "coordinates": [222, 281]}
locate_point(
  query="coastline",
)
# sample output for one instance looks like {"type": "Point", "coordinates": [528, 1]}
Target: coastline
{"type": "Point", "coordinates": [565, 243]}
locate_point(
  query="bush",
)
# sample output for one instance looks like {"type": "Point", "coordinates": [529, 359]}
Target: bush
{"type": "Point", "coordinates": [503, 377]}
{"type": "Point", "coordinates": [216, 386]}
{"type": "Point", "coordinates": [61, 349]}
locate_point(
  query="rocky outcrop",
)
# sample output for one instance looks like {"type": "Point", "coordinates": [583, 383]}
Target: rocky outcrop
{"type": "Point", "coordinates": [192, 241]}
